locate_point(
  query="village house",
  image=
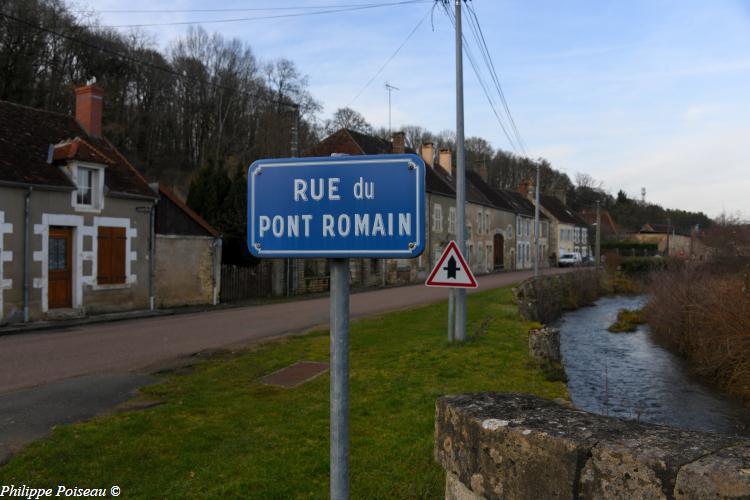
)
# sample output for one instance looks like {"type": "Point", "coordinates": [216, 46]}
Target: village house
{"type": "Point", "coordinates": [568, 232]}
{"type": "Point", "coordinates": [81, 232]}
{"type": "Point", "coordinates": [490, 225]}
{"type": "Point", "coordinates": [670, 241]}
{"type": "Point", "coordinates": [75, 216]}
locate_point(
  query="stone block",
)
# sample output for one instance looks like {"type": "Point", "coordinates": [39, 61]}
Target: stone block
{"type": "Point", "coordinates": [520, 446]}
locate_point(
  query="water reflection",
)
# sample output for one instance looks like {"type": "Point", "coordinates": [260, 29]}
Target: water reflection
{"type": "Point", "coordinates": [627, 375]}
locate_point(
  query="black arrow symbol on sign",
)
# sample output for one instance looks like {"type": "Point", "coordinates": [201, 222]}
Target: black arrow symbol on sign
{"type": "Point", "coordinates": [452, 268]}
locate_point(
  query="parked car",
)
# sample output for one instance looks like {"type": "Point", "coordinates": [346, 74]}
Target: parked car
{"type": "Point", "coordinates": [570, 259]}
{"type": "Point", "coordinates": [589, 260]}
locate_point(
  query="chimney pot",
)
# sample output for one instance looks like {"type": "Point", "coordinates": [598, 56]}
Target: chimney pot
{"type": "Point", "coordinates": [398, 142]}
{"type": "Point", "coordinates": [89, 106]}
{"type": "Point", "coordinates": [523, 188]}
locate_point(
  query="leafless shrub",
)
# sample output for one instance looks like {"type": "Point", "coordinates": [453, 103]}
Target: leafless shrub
{"type": "Point", "coordinates": [703, 313]}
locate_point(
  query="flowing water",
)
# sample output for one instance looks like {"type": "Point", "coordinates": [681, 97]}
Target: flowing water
{"type": "Point", "coordinates": [628, 375]}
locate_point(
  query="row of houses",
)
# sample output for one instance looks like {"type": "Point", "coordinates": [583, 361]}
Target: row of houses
{"type": "Point", "coordinates": [500, 228]}
{"type": "Point", "coordinates": [83, 232]}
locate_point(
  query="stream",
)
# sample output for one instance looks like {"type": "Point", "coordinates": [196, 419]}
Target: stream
{"type": "Point", "coordinates": [630, 376]}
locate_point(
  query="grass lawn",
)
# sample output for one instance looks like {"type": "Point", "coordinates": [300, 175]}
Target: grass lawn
{"type": "Point", "coordinates": [221, 433]}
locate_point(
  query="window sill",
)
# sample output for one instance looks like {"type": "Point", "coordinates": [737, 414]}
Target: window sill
{"type": "Point", "coordinates": [119, 286]}
{"type": "Point", "coordinates": [87, 209]}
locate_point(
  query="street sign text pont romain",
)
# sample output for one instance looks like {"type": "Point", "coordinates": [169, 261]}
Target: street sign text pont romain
{"type": "Point", "coordinates": [337, 207]}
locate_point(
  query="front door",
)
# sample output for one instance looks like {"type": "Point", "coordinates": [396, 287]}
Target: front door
{"type": "Point", "coordinates": [60, 272]}
{"type": "Point", "coordinates": [498, 243]}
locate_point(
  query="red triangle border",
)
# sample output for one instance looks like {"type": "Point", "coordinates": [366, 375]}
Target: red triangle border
{"type": "Point", "coordinates": [451, 245]}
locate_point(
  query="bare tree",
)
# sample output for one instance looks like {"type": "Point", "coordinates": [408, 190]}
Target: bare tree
{"type": "Point", "coordinates": [347, 118]}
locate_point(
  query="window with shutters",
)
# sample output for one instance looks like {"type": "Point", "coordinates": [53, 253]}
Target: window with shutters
{"type": "Point", "coordinates": [111, 256]}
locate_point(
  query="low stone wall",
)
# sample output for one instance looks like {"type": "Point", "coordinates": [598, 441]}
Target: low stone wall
{"type": "Point", "coordinates": [544, 299]}
{"type": "Point", "coordinates": [523, 447]}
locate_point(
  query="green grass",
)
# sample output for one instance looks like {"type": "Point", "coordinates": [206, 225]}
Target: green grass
{"type": "Point", "coordinates": [220, 433]}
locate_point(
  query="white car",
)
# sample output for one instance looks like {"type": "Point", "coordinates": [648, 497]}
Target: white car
{"type": "Point", "coordinates": [571, 259]}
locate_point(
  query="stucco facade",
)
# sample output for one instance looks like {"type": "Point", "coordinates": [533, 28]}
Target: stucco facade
{"type": "Point", "coordinates": [52, 209]}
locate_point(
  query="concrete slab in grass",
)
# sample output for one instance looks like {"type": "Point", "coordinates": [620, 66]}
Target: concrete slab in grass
{"type": "Point", "coordinates": [296, 374]}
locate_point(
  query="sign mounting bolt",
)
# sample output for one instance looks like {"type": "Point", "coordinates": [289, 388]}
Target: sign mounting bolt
{"type": "Point", "coordinates": [412, 246]}
{"type": "Point", "coordinates": [257, 246]}
{"type": "Point", "coordinates": [257, 170]}
{"type": "Point", "coordinates": [412, 165]}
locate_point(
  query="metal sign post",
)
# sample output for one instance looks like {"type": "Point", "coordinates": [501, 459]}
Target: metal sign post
{"type": "Point", "coordinates": [339, 378]}
{"type": "Point", "coordinates": [337, 208]}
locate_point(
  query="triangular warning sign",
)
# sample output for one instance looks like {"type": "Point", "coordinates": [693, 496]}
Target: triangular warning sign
{"type": "Point", "coordinates": [452, 270]}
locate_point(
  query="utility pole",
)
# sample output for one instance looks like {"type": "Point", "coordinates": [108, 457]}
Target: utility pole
{"type": "Point", "coordinates": [460, 173]}
{"type": "Point", "coordinates": [390, 88]}
{"type": "Point", "coordinates": [598, 258]}
{"type": "Point", "coordinates": [536, 222]}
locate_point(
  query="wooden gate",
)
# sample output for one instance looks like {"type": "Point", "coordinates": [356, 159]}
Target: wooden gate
{"type": "Point", "coordinates": [498, 243]}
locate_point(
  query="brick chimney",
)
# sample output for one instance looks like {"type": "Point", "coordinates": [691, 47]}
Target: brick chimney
{"type": "Point", "coordinates": [428, 153]}
{"type": "Point", "coordinates": [89, 104]}
{"type": "Point", "coordinates": [398, 143]}
{"type": "Point", "coordinates": [481, 168]}
{"type": "Point", "coordinates": [446, 160]}
{"type": "Point", "coordinates": [523, 188]}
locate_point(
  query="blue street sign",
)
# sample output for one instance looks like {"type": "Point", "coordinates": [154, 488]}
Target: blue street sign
{"type": "Point", "coordinates": [337, 207]}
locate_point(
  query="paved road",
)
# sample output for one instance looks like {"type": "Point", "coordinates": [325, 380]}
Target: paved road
{"type": "Point", "coordinates": [33, 359]}
{"type": "Point", "coordinates": [62, 376]}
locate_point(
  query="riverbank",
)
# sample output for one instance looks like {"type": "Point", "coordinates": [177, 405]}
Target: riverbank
{"type": "Point", "coordinates": [220, 432]}
{"type": "Point", "coordinates": [702, 312]}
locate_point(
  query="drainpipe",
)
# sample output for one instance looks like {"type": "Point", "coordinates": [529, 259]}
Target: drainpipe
{"type": "Point", "coordinates": [217, 245]}
{"type": "Point", "coordinates": [26, 245]}
{"type": "Point", "coordinates": [152, 256]}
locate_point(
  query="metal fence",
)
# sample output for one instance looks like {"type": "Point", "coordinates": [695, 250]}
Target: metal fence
{"type": "Point", "coordinates": [241, 283]}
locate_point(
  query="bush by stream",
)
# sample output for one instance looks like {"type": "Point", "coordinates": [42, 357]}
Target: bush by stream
{"type": "Point", "coordinates": [703, 312]}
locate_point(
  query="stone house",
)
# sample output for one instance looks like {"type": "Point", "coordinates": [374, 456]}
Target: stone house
{"type": "Point", "coordinates": [187, 260]}
{"type": "Point", "coordinates": [670, 241]}
{"type": "Point", "coordinates": [75, 216]}
{"type": "Point", "coordinates": [568, 232]}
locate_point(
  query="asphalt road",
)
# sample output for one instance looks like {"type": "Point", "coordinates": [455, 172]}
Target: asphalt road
{"type": "Point", "coordinates": [33, 359]}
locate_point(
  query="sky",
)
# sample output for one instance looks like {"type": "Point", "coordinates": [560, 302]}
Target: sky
{"type": "Point", "coordinates": [640, 94]}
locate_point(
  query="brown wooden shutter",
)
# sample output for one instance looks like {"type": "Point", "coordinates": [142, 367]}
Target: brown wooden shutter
{"type": "Point", "coordinates": [104, 256]}
{"type": "Point", "coordinates": [118, 254]}
{"type": "Point", "coordinates": [111, 255]}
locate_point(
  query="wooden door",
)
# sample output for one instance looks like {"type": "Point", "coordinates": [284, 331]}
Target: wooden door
{"type": "Point", "coordinates": [498, 243]}
{"type": "Point", "coordinates": [60, 268]}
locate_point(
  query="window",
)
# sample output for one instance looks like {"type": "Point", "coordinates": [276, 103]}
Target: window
{"type": "Point", "coordinates": [437, 218]}
{"type": "Point", "coordinates": [111, 255]}
{"type": "Point", "coordinates": [452, 220]}
{"type": "Point", "coordinates": [85, 183]}
{"type": "Point", "coordinates": [480, 223]}
{"type": "Point", "coordinates": [545, 229]}
{"type": "Point", "coordinates": [584, 235]}
{"type": "Point", "coordinates": [487, 222]}
{"type": "Point", "coordinates": [528, 228]}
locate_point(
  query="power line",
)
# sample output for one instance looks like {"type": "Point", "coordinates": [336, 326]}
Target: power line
{"type": "Point", "coordinates": [148, 64]}
{"type": "Point", "coordinates": [275, 16]}
{"type": "Point", "coordinates": [244, 9]}
{"type": "Point", "coordinates": [483, 85]}
{"type": "Point", "coordinates": [479, 37]}
{"type": "Point", "coordinates": [390, 58]}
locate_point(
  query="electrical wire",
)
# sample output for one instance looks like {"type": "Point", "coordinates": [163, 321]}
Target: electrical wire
{"type": "Point", "coordinates": [476, 29]}
{"type": "Point", "coordinates": [244, 9]}
{"type": "Point", "coordinates": [483, 85]}
{"type": "Point", "coordinates": [148, 64]}
{"type": "Point", "coordinates": [275, 16]}
{"type": "Point", "coordinates": [390, 58]}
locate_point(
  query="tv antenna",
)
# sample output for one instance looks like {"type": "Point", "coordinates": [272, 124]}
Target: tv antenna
{"type": "Point", "coordinates": [390, 88]}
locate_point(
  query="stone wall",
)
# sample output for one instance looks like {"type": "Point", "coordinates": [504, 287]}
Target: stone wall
{"type": "Point", "coordinates": [523, 447]}
{"type": "Point", "coordinates": [186, 270]}
{"type": "Point", "coordinates": [546, 298]}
